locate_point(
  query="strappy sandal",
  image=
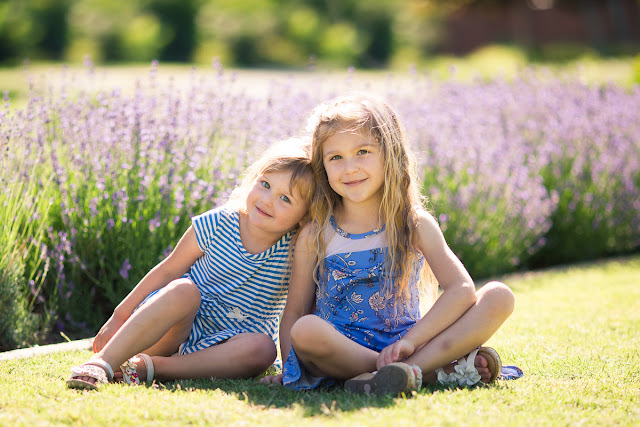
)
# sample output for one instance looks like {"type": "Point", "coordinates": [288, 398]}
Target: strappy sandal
{"type": "Point", "coordinates": [130, 373]}
{"type": "Point", "coordinates": [97, 369]}
{"type": "Point", "coordinates": [465, 373]}
{"type": "Point", "coordinates": [394, 378]}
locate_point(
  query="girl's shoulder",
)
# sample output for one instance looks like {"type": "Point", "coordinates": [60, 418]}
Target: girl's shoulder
{"type": "Point", "coordinates": [212, 221]}
{"type": "Point", "coordinates": [218, 213]}
{"type": "Point", "coordinates": [305, 240]}
{"type": "Point", "coordinates": [427, 228]}
{"type": "Point", "coordinates": [423, 216]}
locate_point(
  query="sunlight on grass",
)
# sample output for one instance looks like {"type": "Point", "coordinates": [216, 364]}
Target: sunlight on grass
{"type": "Point", "coordinates": [574, 332]}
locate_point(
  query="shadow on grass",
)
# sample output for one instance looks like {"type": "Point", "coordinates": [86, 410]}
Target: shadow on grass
{"type": "Point", "coordinates": [312, 402]}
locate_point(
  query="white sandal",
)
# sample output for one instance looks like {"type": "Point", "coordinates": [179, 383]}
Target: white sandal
{"type": "Point", "coordinates": [130, 372]}
{"type": "Point", "coordinates": [97, 369]}
{"type": "Point", "coordinates": [465, 372]}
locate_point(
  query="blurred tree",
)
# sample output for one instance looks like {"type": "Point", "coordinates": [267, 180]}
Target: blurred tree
{"type": "Point", "coordinates": [97, 28]}
{"type": "Point", "coordinates": [35, 28]}
{"type": "Point", "coordinates": [177, 19]}
{"type": "Point", "coordinates": [372, 33]}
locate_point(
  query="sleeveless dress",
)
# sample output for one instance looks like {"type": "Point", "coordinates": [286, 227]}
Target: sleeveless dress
{"type": "Point", "coordinates": [240, 292]}
{"type": "Point", "coordinates": [351, 298]}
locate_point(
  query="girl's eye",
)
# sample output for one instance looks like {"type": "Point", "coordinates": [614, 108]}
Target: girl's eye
{"type": "Point", "coordinates": [363, 151]}
{"type": "Point", "coordinates": [265, 184]}
{"type": "Point", "coordinates": [285, 198]}
{"type": "Point", "coordinates": [336, 157]}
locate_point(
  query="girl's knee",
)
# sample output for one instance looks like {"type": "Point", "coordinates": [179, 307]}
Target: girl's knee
{"type": "Point", "coordinates": [498, 297]}
{"type": "Point", "coordinates": [262, 352]}
{"type": "Point", "coordinates": [304, 327]}
{"type": "Point", "coordinates": [183, 291]}
{"type": "Point", "coordinates": [307, 336]}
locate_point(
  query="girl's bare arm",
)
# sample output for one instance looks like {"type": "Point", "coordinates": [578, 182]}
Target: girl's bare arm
{"type": "Point", "coordinates": [301, 294]}
{"type": "Point", "coordinates": [458, 288]}
{"type": "Point", "coordinates": [301, 288]}
{"type": "Point", "coordinates": [174, 266]}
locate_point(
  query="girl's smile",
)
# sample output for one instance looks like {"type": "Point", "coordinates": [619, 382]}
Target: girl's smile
{"type": "Point", "coordinates": [263, 212]}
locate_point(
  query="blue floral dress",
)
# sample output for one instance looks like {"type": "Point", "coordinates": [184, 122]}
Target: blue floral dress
{"type": "Point", "coordinates": [352, 299]}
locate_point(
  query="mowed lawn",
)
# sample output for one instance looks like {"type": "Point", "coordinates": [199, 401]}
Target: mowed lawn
{"type": "Point", "coordinates": [575, 333]}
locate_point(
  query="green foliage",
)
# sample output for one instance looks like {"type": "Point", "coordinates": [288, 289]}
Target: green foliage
{"type": "Point", "coordinates": [33, 29]}
{"type": "Point", "coordinates": [372, 33]}
{"type": "Point", "coordinates": [240, 33]}
{"type": "Point", "coordinates": [582, 228]}
{"type": "Point", "coordinates": [486, 247]}
{"type": "Point", "coordinates": [24, 318]}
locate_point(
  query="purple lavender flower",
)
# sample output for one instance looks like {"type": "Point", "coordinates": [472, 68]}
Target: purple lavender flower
{"type": "Point", "coordinates": [124, 270]}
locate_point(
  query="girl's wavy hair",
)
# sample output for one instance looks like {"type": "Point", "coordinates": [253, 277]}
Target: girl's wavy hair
{"type": "Point", "coordinates": [288, 155]}
{"type": "Point", "coordinates": [401, 199]}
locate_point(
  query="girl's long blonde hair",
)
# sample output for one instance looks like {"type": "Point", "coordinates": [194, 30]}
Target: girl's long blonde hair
{"type": "Point", "coordinates": [401, 197]}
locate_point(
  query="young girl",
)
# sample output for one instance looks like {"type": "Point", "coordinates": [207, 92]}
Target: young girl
{"type": "Point", "coordinates": [369, 243]}
{"type": "Point", "coordinates": [211, 308]}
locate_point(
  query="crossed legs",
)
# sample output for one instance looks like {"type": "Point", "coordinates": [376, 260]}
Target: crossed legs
{"type": "Point", "coordinates": [326, 352]}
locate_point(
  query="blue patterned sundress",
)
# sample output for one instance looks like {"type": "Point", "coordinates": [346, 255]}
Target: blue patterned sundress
{"type": "Point", "coordinates": [351, 298]}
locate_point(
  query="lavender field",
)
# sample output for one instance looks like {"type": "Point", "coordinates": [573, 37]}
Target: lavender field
{"type": "Point", "coordinates": [99, 181]}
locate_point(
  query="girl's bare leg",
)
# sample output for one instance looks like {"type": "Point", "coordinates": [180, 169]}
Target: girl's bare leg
{"type": "Point", "coordinates": [157, 327]}
{"type": "Point", "coordinates": [494, 305]}
{"type": "Point", "coordinates": [326, 352]}
{"type": "Point", "coordinates": [244, 355]}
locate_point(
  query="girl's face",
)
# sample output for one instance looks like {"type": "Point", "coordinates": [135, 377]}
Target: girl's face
{"type": "Point", "coordinates": [272, 206]}
{"type": "Point", "coordinates": [355, 167]}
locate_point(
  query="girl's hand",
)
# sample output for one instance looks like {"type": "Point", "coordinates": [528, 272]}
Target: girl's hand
{"type": "Point", "coordinates": [107, 331]}
{"type": "Point", "coordinates": [396, 352]}
{"type": "Point", "coordinates": [272, 379]}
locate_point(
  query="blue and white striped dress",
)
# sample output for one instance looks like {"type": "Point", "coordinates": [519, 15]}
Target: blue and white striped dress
{"type": "Point", "coordinates": [240, 292]}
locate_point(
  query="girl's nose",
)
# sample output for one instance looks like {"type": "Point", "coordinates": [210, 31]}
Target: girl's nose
{"type": "Point", "coordinates": [268, 200]}
{"type": "Point", "coordinates": [351, 166]}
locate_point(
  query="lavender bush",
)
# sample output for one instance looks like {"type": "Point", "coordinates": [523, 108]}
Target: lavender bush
{"type": "Point", "coordinates": [26, 316]}
{"type": "Point", "coordinates": [537, 171]}
{"type": "Point", "coordinates": [534, 171]}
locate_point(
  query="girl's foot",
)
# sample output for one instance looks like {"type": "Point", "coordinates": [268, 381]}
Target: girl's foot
{"type": "Point", "coordinates": [90, 375]}
{"type": "Point", "coordinates": [394, 378]}
{"type": "Point", "coordinates": [481, 365]}
{"type": "Point", "coordinates": [136, 370]}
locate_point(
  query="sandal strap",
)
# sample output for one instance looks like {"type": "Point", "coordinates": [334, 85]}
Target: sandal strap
{"type": "Point", "coordinates": [464, 374]}
{"type": "Point", "coordinates": [97, 369]}
{"type": "Point", "coordinates": [130, 370]}
{"type": "Point", "coordinates": [493, 360]}
{"type": "Point", "coordinates": [150, 369]}
{"type": "Point", "coordinates": [104, 365]}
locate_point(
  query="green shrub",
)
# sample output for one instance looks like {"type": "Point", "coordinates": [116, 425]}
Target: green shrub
{"type": "Point", "coordinates": [25, 317]}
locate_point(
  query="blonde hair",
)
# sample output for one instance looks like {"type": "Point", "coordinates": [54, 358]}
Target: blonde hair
{"type": "Point", "coordinates": [288, 155]}
{"type": "Point", "coordinates": [401, 198]}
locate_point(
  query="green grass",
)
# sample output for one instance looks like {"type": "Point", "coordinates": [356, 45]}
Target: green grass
{"type": "Point", "coordinates": [575, 332]}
